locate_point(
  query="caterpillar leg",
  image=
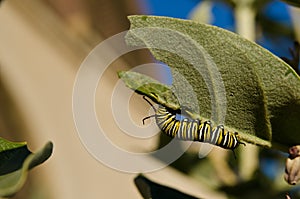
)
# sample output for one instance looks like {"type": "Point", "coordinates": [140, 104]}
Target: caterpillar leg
{"type": "Point", "coordinates": [242, 143]}
{"type": "Point", "coordinates": [239, 142]}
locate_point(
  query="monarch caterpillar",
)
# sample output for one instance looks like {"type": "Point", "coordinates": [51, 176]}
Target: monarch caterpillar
{"type": "Point", "coordinates": [193, 130]}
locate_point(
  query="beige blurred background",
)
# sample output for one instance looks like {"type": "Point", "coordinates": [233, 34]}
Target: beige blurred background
{"type": "Point", "coordinates": [42, 46]}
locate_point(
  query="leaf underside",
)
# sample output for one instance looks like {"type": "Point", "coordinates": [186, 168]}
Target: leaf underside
{"type": "Point", "coordinates": [222, 77]}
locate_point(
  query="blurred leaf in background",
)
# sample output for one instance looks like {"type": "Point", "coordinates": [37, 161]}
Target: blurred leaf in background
{"type": "Point", "coordinates": [152, 190]}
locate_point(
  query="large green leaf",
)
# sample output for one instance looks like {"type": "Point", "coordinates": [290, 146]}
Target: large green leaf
{"type": "Point", "coordinates": [15, 162]}
{"type": "Point", "coordinates": [225, 78]}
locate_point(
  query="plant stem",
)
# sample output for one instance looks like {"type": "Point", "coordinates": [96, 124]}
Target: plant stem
{"type": "Point", "coordinates": [245, 26]}
{"type": "Point", "coordinates": [245, 19]}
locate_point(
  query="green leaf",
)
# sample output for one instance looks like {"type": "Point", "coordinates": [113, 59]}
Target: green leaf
{"type": "Point", "coordinates": [7, 145]}
{"type": "Point", "coordinates": [15, 162]}
{"type": "Point", "coordinates": [225, 78]}
{"type": "Point", "coordinates": [145, 85]}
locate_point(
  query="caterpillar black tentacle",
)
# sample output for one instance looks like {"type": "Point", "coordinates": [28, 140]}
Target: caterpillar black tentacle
{"type": "Point", "coordinates": [193, 129]}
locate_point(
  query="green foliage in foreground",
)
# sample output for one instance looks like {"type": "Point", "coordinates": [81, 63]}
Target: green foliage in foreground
{"type": "Point", "coordinates": [15, 162]}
